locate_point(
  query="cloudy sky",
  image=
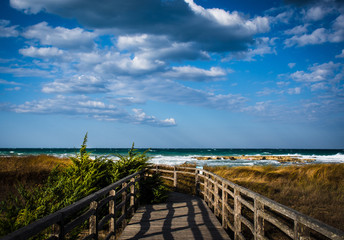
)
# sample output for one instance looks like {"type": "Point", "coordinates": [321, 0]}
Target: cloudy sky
{"type": "Point", "coordinates": [172, 73]}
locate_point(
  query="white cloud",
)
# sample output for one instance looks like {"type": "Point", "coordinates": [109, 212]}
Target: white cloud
{"type": "Point", "coordinates": [283, 17]}
{"type": "Point", "coordinates": [298, 30]}
{"type": "Point", "coordinates": [334, 34]}
{"type": "Point", "coordinates": [8, 31]}
{"type": "Point", "coordinates": [183, 22]}
{"type": "Point", "coordinates": [141, 117]}
{"type": "Point", "coordinates": [317, 73]}
{"type": "Point", "coordinates": [196, 74]}
{"type": "Point", "coordinates": [337, 34]}
{"type": "Point", "coordinates": [61, 37]}
{"type": "Point", "coordinates": [317, 13]}
{"type": "Point", "coordinates": [258, 24]}
{"type": "Point", "coordinates": [318, 36]}
{"type": "Point", "coordinates": [43, 52]}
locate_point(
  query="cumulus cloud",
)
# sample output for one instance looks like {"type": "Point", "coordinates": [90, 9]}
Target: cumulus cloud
{"type": "Point", "coordinates": [83, 106]}
{"type": "Point", "coordinates": [190, 73]}
{"type": "Point", "coordinates": [301, 37]}
{"type": "Point", "coordinates": [317, 73]}
{"type": "Point", "coordinates": [318, 36]}
{"type": "Point", "coordinates": [142, 117]}
{"type": "Point", "coordinates": [211, 29]}
{"type": "Point", "coordinates": [61, 37]}
{"type": "Point", "coordinates": [6, 30]}
{"type": "Point", "coordinates": [43, 52]}
{"type": "Point", "coordinates": [316, 13]}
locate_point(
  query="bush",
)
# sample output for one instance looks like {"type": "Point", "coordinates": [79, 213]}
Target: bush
{"type": "Point", "coordinates": [69, 184]}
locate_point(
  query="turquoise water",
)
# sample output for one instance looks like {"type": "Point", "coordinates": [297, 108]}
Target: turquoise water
{"type": "Point", "coordinates": [174, 156]}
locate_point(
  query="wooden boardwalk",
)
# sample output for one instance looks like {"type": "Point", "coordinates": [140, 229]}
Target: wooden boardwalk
{"type": "Point", "coordinates": [181, 217]}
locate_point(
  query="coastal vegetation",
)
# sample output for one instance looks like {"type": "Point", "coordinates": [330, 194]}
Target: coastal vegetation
{"type": "Point", "coordinates": [316, 190]}
{"type": "Point", "coordinates": [35, 186]}
{"type": "Point", "coordinates": [46, 184]}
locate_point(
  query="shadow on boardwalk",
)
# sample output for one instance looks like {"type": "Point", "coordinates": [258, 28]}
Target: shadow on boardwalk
{"type": "Point", "coordinates": [182, 217]}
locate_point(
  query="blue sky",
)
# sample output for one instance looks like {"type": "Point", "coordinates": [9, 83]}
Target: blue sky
{"type": "Point", "coordinates": [172, 73]}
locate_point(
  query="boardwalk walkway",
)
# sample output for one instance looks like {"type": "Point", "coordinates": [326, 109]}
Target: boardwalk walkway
{"type": "Point", "coordinates": [182, 217]}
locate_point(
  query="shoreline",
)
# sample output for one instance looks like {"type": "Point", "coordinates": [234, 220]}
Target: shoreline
{"type": "Point", "coordinates": [281, 159]}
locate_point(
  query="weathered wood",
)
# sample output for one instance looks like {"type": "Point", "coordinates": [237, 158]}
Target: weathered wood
{"type": "Point", "coordinates": [175, 178]}
{"type": "Point", "coordinates": [237, 214]}
{"type": "Point", "coordinates": [224, 213]}
{"type": "Point", "coordinates": [216, 199]}
{"type": "Point", "coordinates": [112, 212]}
{"type": "Point", "coordinates": [246, 203]}
{"type": "Point", "coordinates": [197, 183]}
{"type": "Point", "coordinates": [181, 217]}
{"type": "Point", "coordinates": [258, 220]}
{"type": "Point", "coordinates": [93, 230]}
{"type": "Point", "coordinates": [132, 195]}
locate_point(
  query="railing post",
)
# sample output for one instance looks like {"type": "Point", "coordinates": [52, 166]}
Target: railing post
{"type": "Point", "coordinates": [216, 198]}
{"type": "Point", "coordinates": [112, 227]}
{"type": "Point", "coordinates": [224, 203]}
{"type": "Point", "coordinates": [237, 214]}
{"type": "Point", "coordinates": [258, 221]}
{"type": "Point", "coordinates": [93, 229]}
{"type": "Point", "coordinates": [205, 194]}
{"type": "Point", "coordinates": [124, 198]}
{"type": "Point", "coordinates": [197, 190]}
{"type": "Point", "coordinates": [175, 177]}
{"type": "Point", "coordinates": [61, 227]}
{"type": "Point", "coordinates": [132, 195]}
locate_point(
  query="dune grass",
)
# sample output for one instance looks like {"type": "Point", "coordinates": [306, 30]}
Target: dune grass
{"type": "Point", "coordinates": [28, 171]}
{"type": "Point", "coordinates": [316, 190]}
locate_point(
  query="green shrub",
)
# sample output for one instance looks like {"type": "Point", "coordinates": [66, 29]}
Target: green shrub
{"type": "Point", "coordinates": [69, 184]}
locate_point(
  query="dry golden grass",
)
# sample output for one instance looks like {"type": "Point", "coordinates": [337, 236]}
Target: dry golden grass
{"type": "Point", "coordinates": [316, 190]}
{"type": "Point", "coordinates": [27, 170]}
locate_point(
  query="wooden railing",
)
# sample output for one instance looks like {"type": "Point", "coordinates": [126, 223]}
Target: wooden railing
{"type": "Point", "coordinates": [103, 213]}
{"type": "Point", "coordinates": [244, 213]}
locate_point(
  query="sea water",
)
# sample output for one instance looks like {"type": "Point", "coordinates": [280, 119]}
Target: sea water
{"type": "Point", "coordinates": [175, 156]}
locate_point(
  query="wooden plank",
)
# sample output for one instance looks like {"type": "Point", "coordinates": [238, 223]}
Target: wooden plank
{"type": "Point", "coordinates": [182, 217]}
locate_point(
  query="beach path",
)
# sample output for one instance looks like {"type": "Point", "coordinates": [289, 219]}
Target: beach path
{"type": "Point", "coordinates": [181, 217]}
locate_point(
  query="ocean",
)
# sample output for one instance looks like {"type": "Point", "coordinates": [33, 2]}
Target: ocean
{"type": "Point", "coordinates": [175, 156]}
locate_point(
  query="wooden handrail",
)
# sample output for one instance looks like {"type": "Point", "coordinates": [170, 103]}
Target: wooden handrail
{"type": "Point", "coordinates": [217, 192]}
{"type": "Point", "coordinates": [88, 208]}
{"type": "Point", "coordinates": [225, 198]}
